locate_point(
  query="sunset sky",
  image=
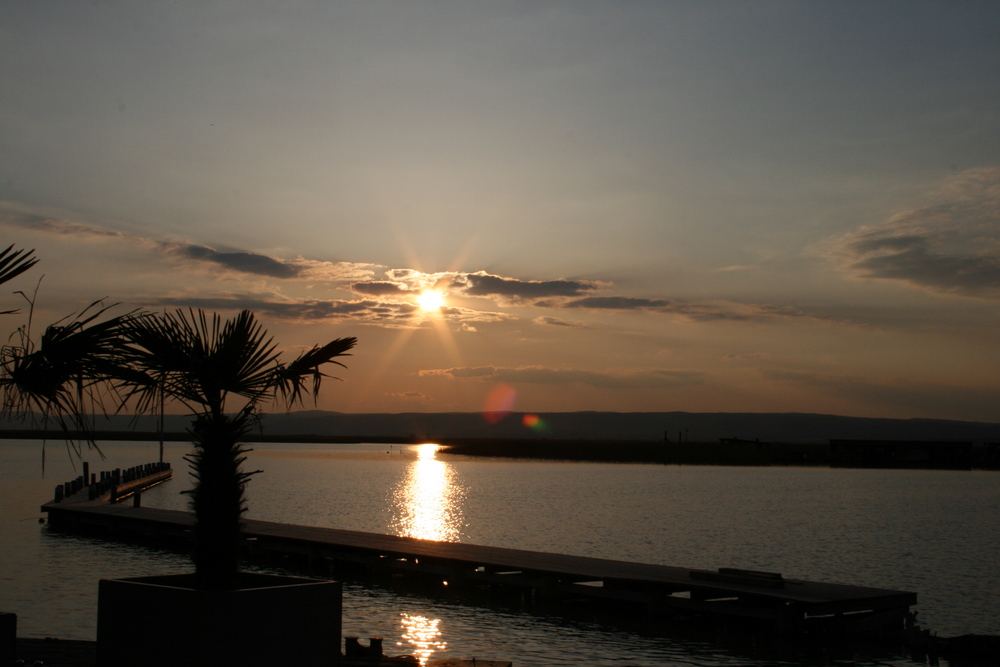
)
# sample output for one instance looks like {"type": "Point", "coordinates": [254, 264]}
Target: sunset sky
{"type": "Point", "coordinates": [630, 206]}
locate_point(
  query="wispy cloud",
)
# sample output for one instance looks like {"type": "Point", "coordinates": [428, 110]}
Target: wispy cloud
{"type": "Point", "coordinates": [952, 246]}
{"type": "Point", "coordinates": [708, 311]}
{"type": "Point", "coordinates": [366, 311]}
{"type": "Point", "coordinates": [238, 261]}
{"type": "Point", "coordinates": [457, 314]}
{"type": "Point", "coordinates": [389, 300]}
{"type": "Point", "coordinates": [557, 322]}
{"type": "Point", "coordinates": [409, 396]}
{"type": "Point", "coordinates": [334, 272]}
{"type": "Point", "coordinates": [644, 379]}
{"type": "Point", "coordinates": [244, 262]}
{"type": "Point", "coordinates": [296, 310]}
{"type": "Point", "coordinates": [16, 216]}
{"type": "Point", "coordinates": [611, 303]}
{"type": "Point", "coordinates": [255, 264]}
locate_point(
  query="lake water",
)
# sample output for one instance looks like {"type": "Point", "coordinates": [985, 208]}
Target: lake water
{"type": "Point", "coordinates": [933, 532]}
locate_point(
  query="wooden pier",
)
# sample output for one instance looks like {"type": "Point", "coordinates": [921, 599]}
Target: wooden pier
{"type": "Point", "coordinates": [112, 485]}
{"type": "Point", "coordinates": [787, 605]}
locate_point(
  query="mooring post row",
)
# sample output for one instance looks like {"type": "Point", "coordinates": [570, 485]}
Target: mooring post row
{"type": "Point", "coordinates": [109, 480]}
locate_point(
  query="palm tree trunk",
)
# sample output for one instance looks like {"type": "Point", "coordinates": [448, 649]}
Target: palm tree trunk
{"type": "Point", "coordinates": [217, 498]}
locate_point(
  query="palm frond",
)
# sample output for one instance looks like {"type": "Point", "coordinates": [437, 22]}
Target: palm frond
{"type": "Point", "coordinates": [67, 374]}
{"type": "Point", "coordinates": [290, 380]}
{"type": "Point", "coordinates": [13, 264]}
{"type": "Point", "coordinates": [200, 359]}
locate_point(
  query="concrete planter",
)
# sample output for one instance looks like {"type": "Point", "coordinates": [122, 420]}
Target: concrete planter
{"type": "Point", "coordinates": [271, 620]}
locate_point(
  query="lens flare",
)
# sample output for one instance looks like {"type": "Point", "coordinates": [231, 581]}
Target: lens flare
{"type": "Point", "coordinates": [499, 403]}
{"type": "Point", "coordinates": [534, 422]}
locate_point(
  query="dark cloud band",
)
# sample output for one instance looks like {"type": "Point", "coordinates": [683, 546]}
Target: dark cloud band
{"type": "Point", "coordinates": [487, 285]}
{"type": "Point", "coordinates": [244, 262]}
{"type": "Point", "coordinates": [380, 288]}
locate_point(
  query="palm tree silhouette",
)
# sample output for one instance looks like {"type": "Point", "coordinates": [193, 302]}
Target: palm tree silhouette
{"type": "Point", "coordinates": [222, 371]}
{"type": "Point", "coordinates": [65, 375]}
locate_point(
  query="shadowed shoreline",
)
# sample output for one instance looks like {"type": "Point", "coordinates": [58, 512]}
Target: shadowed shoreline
{"type": "Point", "coordinates": [726, 452]}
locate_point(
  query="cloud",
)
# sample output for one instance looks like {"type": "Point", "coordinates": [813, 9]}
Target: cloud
{"type": "Point", "coordinates": [645, 379]}
{"type": "Point", "coordinates": [704, 312]}
{"type": "Point", "coordinates": [369, 311]}
{"type": "Point", "coordinates": [272, 267]}
{"type": "Point", "coordinates": [410, 396]}
{"type": "Point", "coordinates": [403, 281]}
{"type": "Point", "coordinates": [950, 247]}
{"type": "Point", "coordinates": [233, 260]}
{"type": "Point", "coordinates": [244, 262]}
{"type": "Point", "coordinates": [614, 303]}
{"type": "Point", "coordinates": [403, 274]}
{"type": "Point", "coordinates": [16, 217]}
{"type": "Point", "coordinates": [325, 271]}
{"type": "Point", "coordinates": [381, 288]}
{"type": "Point", "coordinates": [556, 322]}
{"type": "Point", "coordinates": [484, 284]}
{"type": "Point", "coordinates": [466, 372]}
{"type": "Point", "coordinates": [458, 314]}
{"type": "Point", "coordinates": [296, 310]}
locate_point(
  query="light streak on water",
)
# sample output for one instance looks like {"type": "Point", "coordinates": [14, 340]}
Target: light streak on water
{"type": "Point", "coordinates": [424, 636]}
{"type": "Point", "coordinates": [427, 504]}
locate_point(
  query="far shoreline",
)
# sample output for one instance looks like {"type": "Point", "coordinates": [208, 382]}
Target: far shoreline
{"type": "Point", "coordinates": [728, 452]}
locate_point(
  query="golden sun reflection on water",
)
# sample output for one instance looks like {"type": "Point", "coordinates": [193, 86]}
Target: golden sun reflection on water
{"type": "Point", "coordinates": [427, 503]}
{"type": "Point", "coordinates": [423, 635]}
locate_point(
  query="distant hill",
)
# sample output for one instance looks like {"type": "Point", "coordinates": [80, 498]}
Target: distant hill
{"type": "Point", "coordinates": [638, 426]}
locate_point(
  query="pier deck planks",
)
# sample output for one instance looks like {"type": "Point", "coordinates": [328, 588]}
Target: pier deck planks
{"type": "Point", "coordinates": [595, 577]}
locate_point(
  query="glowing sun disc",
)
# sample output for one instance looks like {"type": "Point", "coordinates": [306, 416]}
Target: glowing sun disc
{"type": "Point", "coordinates": [430, 300]}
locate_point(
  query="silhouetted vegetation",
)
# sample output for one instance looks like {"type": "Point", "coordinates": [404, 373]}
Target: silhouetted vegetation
{"type": "Point", "coordinates": [221, 371]}
{"type": "Point", "coordinates": [623, 451]}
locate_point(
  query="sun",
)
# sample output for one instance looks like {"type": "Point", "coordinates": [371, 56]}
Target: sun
{"type": "Point", "coordinates": [430, 300]}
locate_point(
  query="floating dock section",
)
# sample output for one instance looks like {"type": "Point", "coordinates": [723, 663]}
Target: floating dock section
{"type": "Point", "coordinates": [788, 605]}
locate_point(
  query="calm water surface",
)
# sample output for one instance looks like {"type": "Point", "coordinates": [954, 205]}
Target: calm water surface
{"type": "Point", "coordinates": [933, 532]}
